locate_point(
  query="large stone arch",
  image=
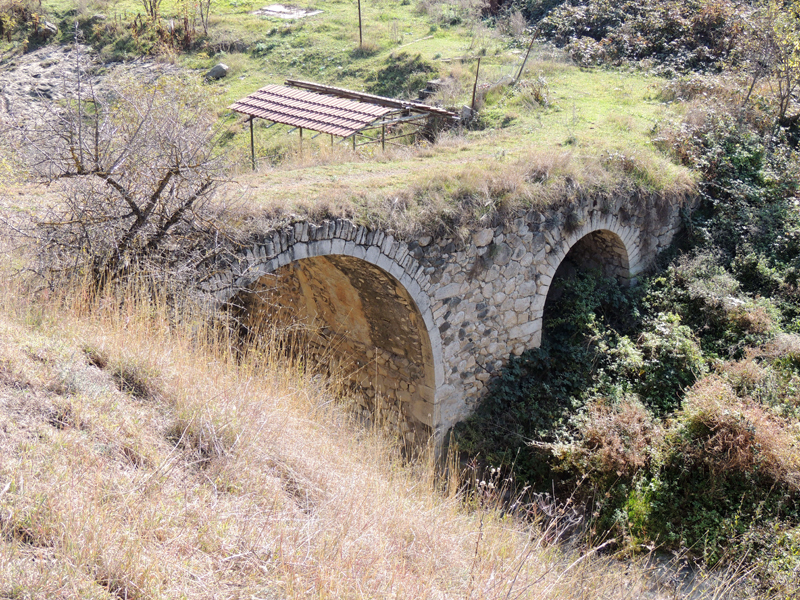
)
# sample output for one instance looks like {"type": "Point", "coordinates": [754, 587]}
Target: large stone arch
{"type": "Point", "coordinates": [357, 290]}
{"type": "Point", "coordinates": [600, 242]}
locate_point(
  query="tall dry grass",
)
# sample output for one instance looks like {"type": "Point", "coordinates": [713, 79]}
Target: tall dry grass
{"type": "Point", "coordinates": [141, 457]}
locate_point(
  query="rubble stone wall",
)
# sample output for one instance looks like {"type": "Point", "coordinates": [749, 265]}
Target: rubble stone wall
{"type": "Point", "coordinates": [439, 317]}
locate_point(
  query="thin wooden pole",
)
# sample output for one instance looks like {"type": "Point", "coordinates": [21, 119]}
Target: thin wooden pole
{"type": "Point", "coordinates": [252, 146]}
{"type": "Point", "coordinates": [354, 141]}
{"type": "Point", "coordinates": [301, 141]}
{"type": "Point", "coordinates": [383, 137]}
{"type": "Point", "coordinates": [525, 60]}
{"type": "Point", "coordinates": [475, 85]}
{"type": "Point", "coordinates": [360, 37]}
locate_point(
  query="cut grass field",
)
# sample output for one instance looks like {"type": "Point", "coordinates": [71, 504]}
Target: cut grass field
{"type": "Point", "coordinates": [595, 129]}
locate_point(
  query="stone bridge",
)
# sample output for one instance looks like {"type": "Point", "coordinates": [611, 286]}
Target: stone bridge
{"type": "Point", "coordinates": [418, 327]}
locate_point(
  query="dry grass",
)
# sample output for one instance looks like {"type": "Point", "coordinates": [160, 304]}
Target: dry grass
{"type": "Point", "coordinates": [225, 478]}
{"type": "Point", "coordinates": [410, 196]}
{"type": "Point", "coordinates": [729, 433]}
{"type": "Point", "coordinates": [618, 439]}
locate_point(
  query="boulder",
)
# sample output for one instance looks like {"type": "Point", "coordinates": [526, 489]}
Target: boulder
{"type": "Point", "coordinates": [217, 72]}
{"type": "Point", "coordinates": [49, 29]}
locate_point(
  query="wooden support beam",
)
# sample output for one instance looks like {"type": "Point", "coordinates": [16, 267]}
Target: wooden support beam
{"type": "Point", "coordinates": [394, 121]}
{"type": "Point", "coordinates": [360, 36]}
{"type": "Point", "coordinates": [252, 146]}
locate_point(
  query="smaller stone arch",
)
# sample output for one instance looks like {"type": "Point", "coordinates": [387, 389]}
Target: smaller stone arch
{"type": "Point", "coordinates": [601, 242]}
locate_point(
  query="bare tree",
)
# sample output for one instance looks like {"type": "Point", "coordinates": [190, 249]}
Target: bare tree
{"type": "Point", "coordinates": [152, 8]}
{"type": "Point", "coordinates": [204, 8]}
{"type": "Point", "coordinates": [773, 52]}
{"type": "Point", "coordinates": [137, 167]}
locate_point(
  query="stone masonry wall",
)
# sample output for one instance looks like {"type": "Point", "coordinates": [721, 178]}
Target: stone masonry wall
{"type": "Point", "coordinates": [351, 317]}
{"type": "Point", "coordinates": [477, 301]}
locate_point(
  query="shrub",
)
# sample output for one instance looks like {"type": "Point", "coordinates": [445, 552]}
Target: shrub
{"type": "Point", "coordinates": [402, 74]}
{"type": "Point", "coordinates": [136, 172]}
{"type": "Point", "coordinates": [672, 362]}
{"type": "Point", "coordinates": [616, 440]}
{"type": "Point", "coordinates": [725, 433]}
{"type": "Point", "coordinates": [699, 34]}
{"type": "Point", "coordinates": [726, 470]}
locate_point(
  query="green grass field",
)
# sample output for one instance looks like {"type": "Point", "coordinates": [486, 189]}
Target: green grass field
{"type": "Point", "coordinates": [556, 108]}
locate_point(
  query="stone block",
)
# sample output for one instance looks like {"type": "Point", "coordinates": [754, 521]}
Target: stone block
{"type": "Point", "coordinates": [299, 251]}
{"type": "Point", "coordinates": [522, 304]}
{"type": "Point", "coordinates": [522, 331]}
{"type": "Point", "coordinates": [501, 254]}
{"type": "Point", "coordinates": [337, 246]}
{"type": "Point", "coordinates": [447, 291]}
{"type": "Point", "coordinates": [396, 270]}
{"type": "Point", "coordinates": [372, 254]}
{"type": "Point", "coordinates": [482, 237]}
{"type": "Point", "coordinates": [512, 270]}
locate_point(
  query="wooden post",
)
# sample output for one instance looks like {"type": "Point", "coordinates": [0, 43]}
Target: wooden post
{"type": "Point", "coordinates": [252, 146]}
{"type": "Point", "coordinates": [383, 137]}
{"type": "Point", "coordinates": [301, 141]}
{"type": "Point", "coordinates": [354, 142]}
{"type": "Point", "coordinates": [475, 85]}
{"type": "Point", "coordinates": [331, 140]}
{"type": "Point", "coordinates": [360, 37]}
{"type": "Point", "coordinates": [522, 68]}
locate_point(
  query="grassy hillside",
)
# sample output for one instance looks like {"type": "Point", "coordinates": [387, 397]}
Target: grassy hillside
{"type": "Point", "coordinates": [143, 455]}
{"type": "Point", "coordinates": [142, 460]}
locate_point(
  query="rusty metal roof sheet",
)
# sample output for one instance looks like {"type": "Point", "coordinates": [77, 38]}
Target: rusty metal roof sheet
{"type": "Point", "coordinates": [309, 110]}
{"type": "Point", "coordinates": [372, 98]}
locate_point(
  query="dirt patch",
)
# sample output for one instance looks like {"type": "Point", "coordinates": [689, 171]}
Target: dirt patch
{"type": "Point", "coordinates": [50, 73]}
{"type": "Point", "coordinates": [285, 11]}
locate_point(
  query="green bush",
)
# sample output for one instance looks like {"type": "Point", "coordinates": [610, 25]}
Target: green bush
{"type": "Point", "coordinates": [402, 75]}
{"type": "Point", "coordinates": [672, 362]}
{"type": "Point", "coordinates": [699, 34]}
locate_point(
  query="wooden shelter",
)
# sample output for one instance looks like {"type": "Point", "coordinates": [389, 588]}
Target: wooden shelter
{"type": "Point", "coordinates": [364, 118]}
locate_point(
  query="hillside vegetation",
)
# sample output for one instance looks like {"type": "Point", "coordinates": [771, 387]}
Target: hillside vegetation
{"type": "Point", "coordinates": [146, 452]}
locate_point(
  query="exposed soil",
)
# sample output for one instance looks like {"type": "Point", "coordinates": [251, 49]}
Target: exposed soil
{"type": "Point", "coordinates": [285, 11]}
{"type": "Point", "coordinates": [28, 81]}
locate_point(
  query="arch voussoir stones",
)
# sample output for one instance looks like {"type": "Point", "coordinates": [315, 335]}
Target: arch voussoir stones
{"type": "Point", "coordinates": [424, 324]}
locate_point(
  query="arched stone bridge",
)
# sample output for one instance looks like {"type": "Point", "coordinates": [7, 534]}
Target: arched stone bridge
{"type": "Point", "coordinates": [420, 326]}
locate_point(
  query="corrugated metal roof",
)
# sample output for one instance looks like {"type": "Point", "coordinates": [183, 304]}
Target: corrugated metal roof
{"type": "Point", "coordinates": [371, 98]}
{"type": "Point", "coordinates": [309, 110]}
